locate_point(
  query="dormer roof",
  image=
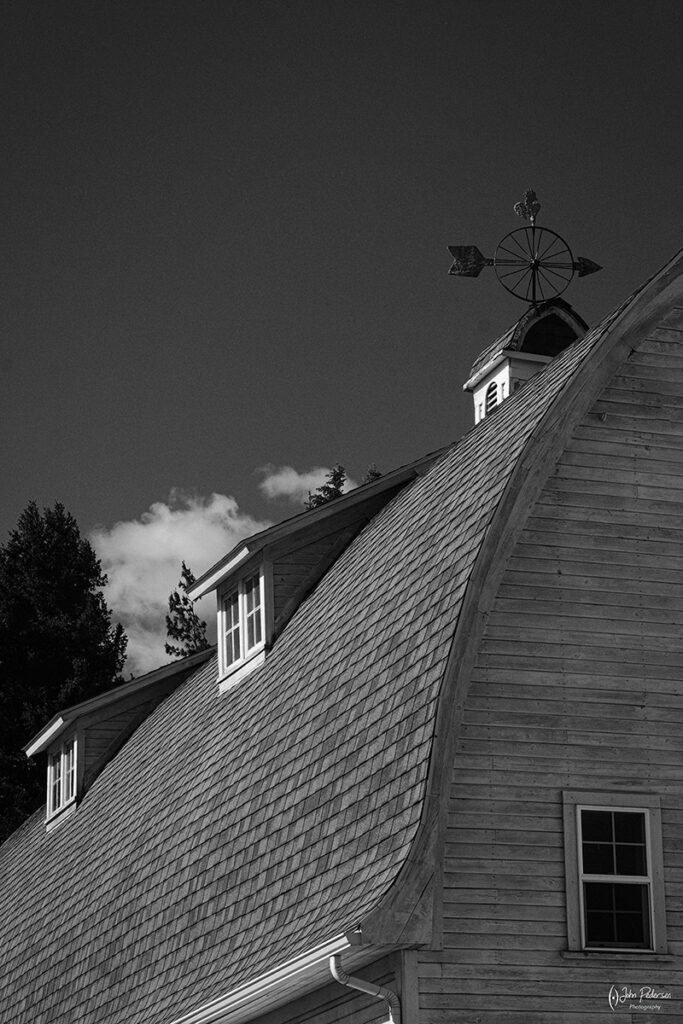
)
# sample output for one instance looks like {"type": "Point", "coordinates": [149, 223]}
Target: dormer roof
{"type": "Point", "coordinates": [300, 550]}
{"type": "Point", "coordinates": [124, 703]}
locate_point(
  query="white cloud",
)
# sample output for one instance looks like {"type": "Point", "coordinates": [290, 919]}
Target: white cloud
{"type": "Point", "coordinates": [287, 482]}
{"type": "Point", "coordinates": [142, 559]}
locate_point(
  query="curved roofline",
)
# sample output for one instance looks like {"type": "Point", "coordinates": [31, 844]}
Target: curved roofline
{"type": "Point", "coordinates": [615, 336]}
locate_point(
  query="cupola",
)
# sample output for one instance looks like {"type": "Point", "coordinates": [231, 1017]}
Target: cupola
{"type": "Point", "coordinates": [535, 265]}
{"type": "Point", "coordinates": [545, 330]}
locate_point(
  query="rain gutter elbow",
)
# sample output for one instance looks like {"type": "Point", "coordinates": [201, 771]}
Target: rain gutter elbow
{"type": "Point", "coordinates": [389, 997]}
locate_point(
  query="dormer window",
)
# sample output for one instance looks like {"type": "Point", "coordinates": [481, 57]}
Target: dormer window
{"type": "Point", "coordinates": [61, 777]}
{"type": "Point", "coordinates": [81, 740]}
{"type": "Point", "coordinates": [263, 581]}
{"type": "Point", "coordinates": [241, 625]}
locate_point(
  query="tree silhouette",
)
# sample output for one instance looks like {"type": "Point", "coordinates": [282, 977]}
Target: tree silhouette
{"type": "Point", "coordinates": [182, 622]}
{"type": "Point", "coordinates": [331, 489]}
{"type": "Point", "coordinates": [57, 644]}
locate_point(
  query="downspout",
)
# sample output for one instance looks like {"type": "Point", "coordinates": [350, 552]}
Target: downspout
{"type": "Point", "coordinates": [389, 997]}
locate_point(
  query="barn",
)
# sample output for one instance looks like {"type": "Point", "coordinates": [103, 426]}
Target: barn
{"type": "Point", "coordinates": [433, 772]}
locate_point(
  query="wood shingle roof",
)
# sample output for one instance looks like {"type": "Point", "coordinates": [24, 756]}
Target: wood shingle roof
{"type": "Point", "coordinates": [234, 831]}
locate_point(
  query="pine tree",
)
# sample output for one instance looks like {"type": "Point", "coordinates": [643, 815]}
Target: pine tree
{"type": "Point", "coordinates": [331, 489]}
{"type": "Point", "coordinates": [57, 644]}
{"type": "Point", "coordinates": [372, 474]}
{"type": "Point", "coordinates": [182, 622]}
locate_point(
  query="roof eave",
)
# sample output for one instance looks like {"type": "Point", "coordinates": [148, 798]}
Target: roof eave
{"type": "Point", "coordinates": [63, 719]}
{"type": "Point", "coordinates": [500, 357]}
{"type": "Point", "coordinates": [235, 558]}
{"type": "Point", "coordinates": [304, 973]}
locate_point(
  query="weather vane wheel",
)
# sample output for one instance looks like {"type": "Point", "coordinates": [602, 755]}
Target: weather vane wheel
{"type": "Point", "coordinates": [534, 263]}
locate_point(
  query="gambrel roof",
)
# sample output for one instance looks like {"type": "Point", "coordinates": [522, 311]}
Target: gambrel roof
{"type": "Point", "coordinates": [237, 831]}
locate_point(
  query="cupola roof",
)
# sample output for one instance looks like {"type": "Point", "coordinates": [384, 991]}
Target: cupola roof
{"type": "Point", "coordinates": [545, 329]}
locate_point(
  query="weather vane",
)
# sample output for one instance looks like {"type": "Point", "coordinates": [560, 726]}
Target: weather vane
{"type": "Point", "coordinates": [532, 263]}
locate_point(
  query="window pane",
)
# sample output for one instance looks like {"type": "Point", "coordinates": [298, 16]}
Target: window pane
{"type": "Point", "coordinates": [629, 827]}
{"type": "Point", "coordinates": [70, 773]}
{"type": "Point", "coordinates": [599, 896]}
{"type": "Point", "coordinates": [597, 832]}
{"type": "Point", "coordinates": [597, 827]}
{"type": "Point", "coordinates": [598, 859]}
{"type": "Point", "coordinates": [600, 929]}
{"type": "Point", "coordinates": [252, 593]}
{"type": "Point", "coordinates": [629, 831]}
{"type": "Point", "coordinates": [231, 634]}
{"type": "Point", "coordinates": [631, 860]}
{"type": "Point", "coordinates": [56, 762]}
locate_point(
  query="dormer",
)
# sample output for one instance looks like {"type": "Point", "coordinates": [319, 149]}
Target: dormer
{"type": "Point", "coordinates": [544, 331]}
{"type": "Point", "coordinates": [262, 581]}
{"type": "Point", "coordinates": [81, 740]}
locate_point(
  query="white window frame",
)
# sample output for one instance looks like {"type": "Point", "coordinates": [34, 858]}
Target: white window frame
{"type": "Point", "coordinates": [645, 804]}
{"type": "Point", "coordinates": [59, 759]}
{"type": "Point", "coordinates": [249, 657]}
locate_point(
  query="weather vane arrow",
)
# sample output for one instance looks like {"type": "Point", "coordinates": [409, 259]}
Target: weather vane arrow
{"type": "Point", "coordinates": [532, 263]}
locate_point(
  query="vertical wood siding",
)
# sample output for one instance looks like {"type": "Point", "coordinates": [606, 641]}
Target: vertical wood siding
{"type": "Point", "coordinates": [578, 685]}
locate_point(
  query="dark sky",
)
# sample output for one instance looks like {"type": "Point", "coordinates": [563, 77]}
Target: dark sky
{"type": "Point", "coordinates": [225, 224]}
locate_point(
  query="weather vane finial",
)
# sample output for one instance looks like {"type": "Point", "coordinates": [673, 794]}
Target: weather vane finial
{"type": "Point", "coordinates": [532, 263]}
{"type": "Point", "coordinates": [529, 206]}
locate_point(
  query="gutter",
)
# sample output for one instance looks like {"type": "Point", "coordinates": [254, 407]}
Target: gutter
{"type": "Point", "coordinates": [261, 994]}
{"type": "Point", "coordinates": [389, 997]}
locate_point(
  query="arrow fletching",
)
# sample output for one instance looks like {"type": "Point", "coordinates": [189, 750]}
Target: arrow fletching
{"type": "Point", "coordinates": [468, 261]}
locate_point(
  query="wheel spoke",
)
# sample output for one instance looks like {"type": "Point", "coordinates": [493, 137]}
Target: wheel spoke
{"type": "Point", "coordinates": [519, 270]}
{"type": "Point", "coordinates": [547, 279]}
{"type": "Point", "coordinates": [562, 277]}
{"type": "Point", "coordinates": [513, 254]}
{"type": "Point", "coordinates": [524, 252]}
{"type": "Point", "coordinates": [549, 247]}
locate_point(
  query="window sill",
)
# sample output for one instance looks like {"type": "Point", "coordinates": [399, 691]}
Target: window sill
{"type": "Point", "coordinates": [57, 817]}
{"type": "Point", "coordinates": [609, 956]}
{"type": "Point", "coordinates": [238, 672]}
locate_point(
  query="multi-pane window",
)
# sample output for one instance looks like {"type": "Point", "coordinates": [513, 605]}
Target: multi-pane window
{"type": "Point", "coordinates": [614, 872]}
{"type": "Point", "coordinates": [615, 878]}
{"type": "Point", "coordinates": [242, 621]}
{"type": "Point", "coordinates": [61, 780]}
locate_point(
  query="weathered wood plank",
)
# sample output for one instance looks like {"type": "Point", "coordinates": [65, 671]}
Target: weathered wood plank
{"type": "Point", "coordinates": [522, 609]}
{"type": "Point", "coordinates": [587, 632]}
